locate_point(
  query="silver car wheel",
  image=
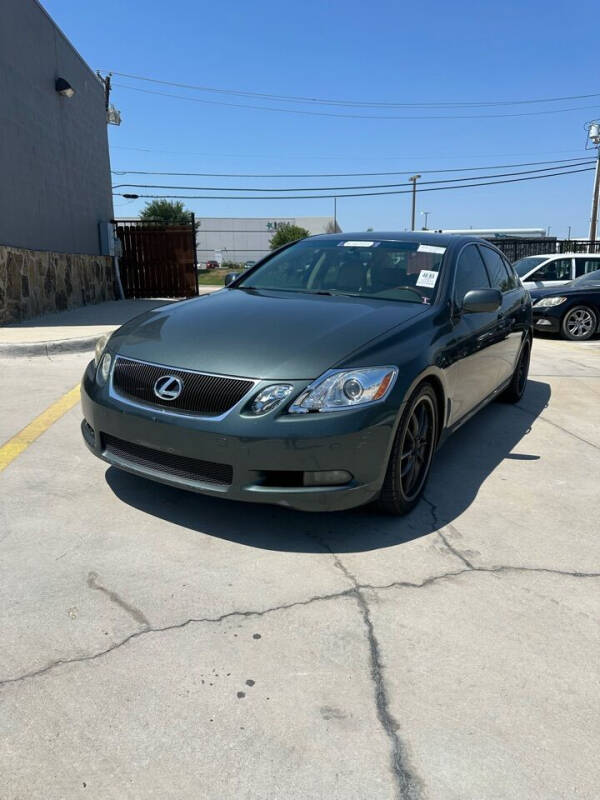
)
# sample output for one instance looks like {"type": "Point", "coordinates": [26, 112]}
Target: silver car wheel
{"type": "Point", "coordinates": [580, 323]}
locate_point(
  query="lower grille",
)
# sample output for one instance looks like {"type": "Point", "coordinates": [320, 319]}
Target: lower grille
{"type": "Point", "coordinates": [169, 463]}
{"type": "Point", "coordinates": [200, 393]}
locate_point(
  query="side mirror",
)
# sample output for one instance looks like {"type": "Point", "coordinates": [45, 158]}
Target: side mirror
{"type": "Point", "coordinates": [230, 277]}
{"type": "Point", "coordinates": [478, 300]}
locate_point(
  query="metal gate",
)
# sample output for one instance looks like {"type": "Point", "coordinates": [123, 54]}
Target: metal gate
{"type": "Point", "coordinates": [157, 260]}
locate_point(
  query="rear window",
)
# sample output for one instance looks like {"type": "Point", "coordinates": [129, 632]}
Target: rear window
{"type": "Point", "coordinates": [383, 270]}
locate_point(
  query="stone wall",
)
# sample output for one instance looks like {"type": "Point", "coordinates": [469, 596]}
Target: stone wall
{"type": "Point", "coordinates": [34, 282]}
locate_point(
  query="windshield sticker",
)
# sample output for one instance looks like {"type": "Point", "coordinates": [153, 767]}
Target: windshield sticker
{"type": "Point", "coordinates": [427, 278]}
{"type": "Point", "coordinates": [358, 244]}
{"type": "Point", "coordinates": [430, 248]}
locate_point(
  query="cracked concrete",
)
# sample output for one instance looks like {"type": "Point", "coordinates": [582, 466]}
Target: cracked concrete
{"type": "Point", "coordinates": [157, 644]}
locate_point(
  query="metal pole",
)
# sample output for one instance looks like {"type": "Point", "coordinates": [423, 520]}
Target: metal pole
{"type": "Point", "coordinates": [413, 179]}
{"type": "Point", "coordinates": [594, 219]}
{"type": "Point", "coordinates": [335, 214]}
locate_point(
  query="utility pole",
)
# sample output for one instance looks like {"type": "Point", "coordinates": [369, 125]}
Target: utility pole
{"type": "Point", "coordinates": [594, 136]}
{"type": "Point", "coordinates": [413, 179]}
{"type": "Point", "coordinates": [594, 219]}
{"type": "Point", "coordinates": [335, 214]}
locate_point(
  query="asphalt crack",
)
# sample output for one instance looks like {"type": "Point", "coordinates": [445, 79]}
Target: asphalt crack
{"type": "Point", "coordinates": [163, 629]}
{"type": "Point", "coordinates": [407, 784]}
{"type": "Point", "coordinates": [439, 530]}
{"type": "Point", "coordinates": [351, 592]}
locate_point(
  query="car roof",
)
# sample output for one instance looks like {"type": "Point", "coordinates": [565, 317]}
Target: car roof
{"type": "Point", "coordinates": [423, 237]}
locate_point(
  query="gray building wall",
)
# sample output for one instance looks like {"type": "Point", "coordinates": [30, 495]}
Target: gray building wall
{"type": "Point", "coordinates": [54, 163]}
{"type": "Point", "coordinates": [243, 239]}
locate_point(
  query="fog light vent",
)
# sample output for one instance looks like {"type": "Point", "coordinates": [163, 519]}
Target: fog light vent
{"type": "Point", "coordinates": [329, 477]}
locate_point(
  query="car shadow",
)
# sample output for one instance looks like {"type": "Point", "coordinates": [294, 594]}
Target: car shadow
{"type": "Point", "coordinates": [460, 468]}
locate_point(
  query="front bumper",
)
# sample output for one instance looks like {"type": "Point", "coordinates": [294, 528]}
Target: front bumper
{"type": "Point", "coordinates": [545, 321]}
{"type": "Point", "coordinates": [358, 441]}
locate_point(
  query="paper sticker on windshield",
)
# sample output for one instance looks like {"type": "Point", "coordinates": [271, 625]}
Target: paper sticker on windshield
{"type": "Point", "coordinates": [358, 244]}
{"type": "Point", "coordinates": [427, 278]}
{"type": "Point", "coordinates": [430, 248]}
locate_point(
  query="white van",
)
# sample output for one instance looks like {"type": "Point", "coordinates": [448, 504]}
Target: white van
{"type": "Point", "coordinates": [554, 269]}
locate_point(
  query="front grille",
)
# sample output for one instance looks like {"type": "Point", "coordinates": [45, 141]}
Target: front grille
{"type": "Point", "coordinates": [201, 393]}
{"type": "Point", "coordinates": [169, 463]}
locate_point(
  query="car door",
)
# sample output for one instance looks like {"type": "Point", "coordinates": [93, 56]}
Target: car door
{"type": "Point", "coordinates": [472, 365]}
{"type": "Point", "coordinates": [510, 314]}
{"type": "Point", "coordinates": [553, 272]}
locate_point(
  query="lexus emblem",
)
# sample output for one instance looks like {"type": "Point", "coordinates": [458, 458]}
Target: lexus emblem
{"type": "Point", "coordinates": [168, 387]}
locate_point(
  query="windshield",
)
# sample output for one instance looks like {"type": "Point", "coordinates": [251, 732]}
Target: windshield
{"type": "Point", "coordinates": [525, 265]}
{"type": "Point", "coordinates": [383, 270]}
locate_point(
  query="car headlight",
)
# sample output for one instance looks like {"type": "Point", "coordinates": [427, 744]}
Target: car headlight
{"type": "Point", "coordinates": [103, 370]}
{"type": "Point", "coordinates": [269, 398]}
{"type": "Point", "coordinates": [100, 347]}
{"type": "Point", "coordinates": [548, 302]}
{"type": "Point", "coordinates": [343, 389]}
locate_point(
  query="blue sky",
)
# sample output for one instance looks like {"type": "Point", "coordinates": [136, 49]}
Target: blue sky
{"type": "Point", "coordinates": [377, 51]}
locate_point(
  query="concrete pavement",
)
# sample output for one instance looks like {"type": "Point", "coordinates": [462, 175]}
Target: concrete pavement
{"type": "Point", "coordinates": [160, 644]}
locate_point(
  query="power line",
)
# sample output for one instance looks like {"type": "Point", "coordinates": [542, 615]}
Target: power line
{"type": "Point", "coordinates": [290, 156]}
{"type": "Point", "coordinates": [333, 188]}
{"type": "Point", "coordinates": [339, 196]}
{"type": "Point", "coordinates": [338, 174]}
{"type": "Point", "coordinates": [349, 116]}
{"type": "Point", "coordinates": [355, 103]}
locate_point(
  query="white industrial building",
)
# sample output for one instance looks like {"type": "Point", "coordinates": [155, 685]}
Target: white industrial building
{"type": "Point", "coordinates": [243, 239]}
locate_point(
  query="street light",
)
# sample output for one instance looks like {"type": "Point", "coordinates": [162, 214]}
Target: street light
{"type": "Point", "coordinates": [426, 214]}
{"type": "Point", "coordinates": [413, 179]}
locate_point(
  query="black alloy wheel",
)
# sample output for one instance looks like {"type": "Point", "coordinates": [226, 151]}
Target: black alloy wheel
{"type": "Point", "coordinates": [515, 389]}
{"type": "Point", "coordinates": [412, 453]}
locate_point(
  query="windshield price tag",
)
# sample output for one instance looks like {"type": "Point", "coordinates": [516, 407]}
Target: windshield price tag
{"type": "Point", "coordinates": [430, 248]}
{"type": "Point", "coordinates": [358, 244]}
{"type": "Point", "coordinates": [427, 278]}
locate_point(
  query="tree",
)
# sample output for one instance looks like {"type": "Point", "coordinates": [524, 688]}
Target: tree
{"type": "Point", "coordinates": [287, 233]}
{"type": "Point", "coordinates": [167, 212]}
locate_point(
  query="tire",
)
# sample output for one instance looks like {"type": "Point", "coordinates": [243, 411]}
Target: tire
{"type": "Point", "coordinates": [579, 324]}
{"type": "Point", "coordinates": [412, 453]}
{"type": "Point", "coordinates": [515, 389]}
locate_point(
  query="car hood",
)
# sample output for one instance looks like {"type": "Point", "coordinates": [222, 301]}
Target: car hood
{"type": "Point", "coordinates": [258, 333]}
{"type": "Point", "coordinates": [566, 288]}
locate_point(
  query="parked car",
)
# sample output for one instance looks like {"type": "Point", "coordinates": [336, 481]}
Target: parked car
{"type": "Point", "coordinates": [333, 372]}
{"type": "Point", "coordinates": [555, 269]}
{"type": "Point", "coordinates": [212, 264]}
{"type": "Point", "coordinates": [249, 264]}
{"type": "Point", "coordinates": [573, 310]}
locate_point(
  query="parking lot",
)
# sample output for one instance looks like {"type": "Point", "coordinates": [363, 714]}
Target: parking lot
{"type": "Point", "coordinates": [159, 644]}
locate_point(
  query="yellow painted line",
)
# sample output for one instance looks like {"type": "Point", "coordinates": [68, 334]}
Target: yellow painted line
{"type": "Point", "coordinates": [21, 441]}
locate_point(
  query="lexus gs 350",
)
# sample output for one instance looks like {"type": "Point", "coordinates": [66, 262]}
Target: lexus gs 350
{"type": "Point", "coordinates": [325, 377]}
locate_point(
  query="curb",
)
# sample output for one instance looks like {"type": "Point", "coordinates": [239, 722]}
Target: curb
{"type": "Point", "coordinates": [50, 348]}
